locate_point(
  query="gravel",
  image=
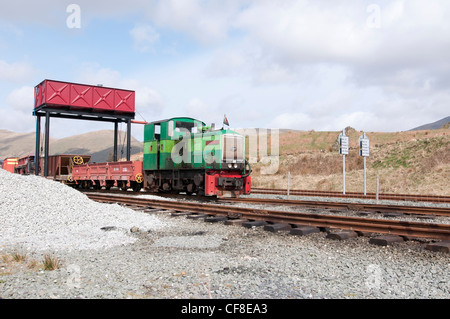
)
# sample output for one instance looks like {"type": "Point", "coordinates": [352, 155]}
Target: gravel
{"type": "Point", "coordinates": [173, 257]}
{"type": "Point", "coordinates": [38, 214]}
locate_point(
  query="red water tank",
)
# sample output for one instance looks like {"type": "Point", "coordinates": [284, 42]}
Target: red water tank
{"type": "Point", "coordinates": [74, 96]}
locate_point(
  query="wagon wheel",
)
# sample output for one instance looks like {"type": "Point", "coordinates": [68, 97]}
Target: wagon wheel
{"type": "Point", "coordinates": [78, 160]}
{"type": "Point", "coordinates": [70, 179]}
{"type": "Point", "coordinates": [139, 178]}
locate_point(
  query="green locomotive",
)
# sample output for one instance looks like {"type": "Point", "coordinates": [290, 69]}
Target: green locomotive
{"type": "Point", "coordinates": [184, 155]}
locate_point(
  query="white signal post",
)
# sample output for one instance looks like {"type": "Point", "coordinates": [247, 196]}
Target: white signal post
{"type": "Point", "coordinates": [364, 151]}
{"type": "Point", "coordinates": [343, 150]}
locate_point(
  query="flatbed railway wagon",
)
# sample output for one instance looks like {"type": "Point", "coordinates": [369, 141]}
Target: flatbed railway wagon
{"type": "Point", "coordinates": [123, 175]}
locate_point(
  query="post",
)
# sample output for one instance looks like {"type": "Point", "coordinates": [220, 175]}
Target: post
{"type": "Point", "coordinates": [343, 173]}
{"type": "Point", "coordinates": [37, 148]}
{"type": "Point", "coordinates": [343, 150]}
{"type": "Point", "coordinates": [364, 145]}
{"type": "Point", "coordinates": [288, 184]}
{"type": "Point", "coordinates": [378, 185]}
{"type": "Point", "coordinates": [116, 128]}
{"type": "Point", "coordinates": [129, 140]}
{"type": "Point", "coordinates": [365, 184]}
{"type": "Point", "coordinates": [47, 141]}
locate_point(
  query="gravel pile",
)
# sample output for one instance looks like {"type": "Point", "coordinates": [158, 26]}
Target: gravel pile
{"type": "Point", "coordinates": [37, 214]}
{"type": "Point", "coordinates": [174, 257]}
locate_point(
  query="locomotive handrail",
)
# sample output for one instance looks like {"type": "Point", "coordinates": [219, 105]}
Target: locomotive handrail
{"type": "Point", "coordinates": [249, 170]}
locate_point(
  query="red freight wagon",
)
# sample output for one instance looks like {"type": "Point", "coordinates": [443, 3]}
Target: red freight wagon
{"type": "Point", "coordinates": [126, 171]}
{"type": "Point", "coordinates": [120, 174]}
{"type": "Point", "coordinates": [74, 96]}
{"type": "Point", "coordinates": [25, 165]}
{"type": "Point", "coordinates": [60, 166]}
{"type": "Point", "coordinates": [10, 163]}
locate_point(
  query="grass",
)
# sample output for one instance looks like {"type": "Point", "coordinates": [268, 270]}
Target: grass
{"type": "Point", "coordinates": [17, 261]}
{"type": "Point", "coordinates": [407, 162]}
{"type": "Point", "coordinates": [51, 263]}
{"type": "Point", "coordinates": [18, 257]}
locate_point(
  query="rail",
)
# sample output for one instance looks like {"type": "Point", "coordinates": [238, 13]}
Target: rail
{"type": "Point", "coordinates": [395, 227]}
{"type": "Point", "coordinates": [400, 197]}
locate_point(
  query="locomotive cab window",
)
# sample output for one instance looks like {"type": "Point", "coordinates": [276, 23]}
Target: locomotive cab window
{"type": "Point", "coordinates": [184, 126]}
{"type": "Point", "coordinates": [157, 131]}
{"type": "Point", "coordinates": [233, 148]}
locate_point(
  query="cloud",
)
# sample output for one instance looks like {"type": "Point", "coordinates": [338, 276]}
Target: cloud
{"type": "Point", "coordinates": [226, 63]}
{"type": "Point", "coordinates": [93, 73]}
{"type": "Point", "coordinates": [305, 63]}
{"type": "Point", "coordinates": [16, 114]}
{"type": "Point", "coordinates": [149, 100]}
{"type": "Point", "coordinates": [305, 31]}
{"type": "Point", "coordinates": [21, 99]}
{"type": "Point", "coordinates": [144, 37]}
{"type": "Point", "coordinates": [196, 108]}
{"type": "Point", "coordinates": [206, 21]}
{"type": "Point", "coordinates": [16, 71]}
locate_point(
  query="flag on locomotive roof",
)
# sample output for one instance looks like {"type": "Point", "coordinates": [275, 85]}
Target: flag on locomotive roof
{"type": "Point", "coordinates": [225, 120]}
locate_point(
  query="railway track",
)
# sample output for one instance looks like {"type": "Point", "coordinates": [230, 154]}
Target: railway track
{"type": "Point", "coordinates": [362, 207]}
{"type": "Point", "coordinates": [399, 197]}
{"type": "Point", "coordinates": [293, 219]}
{"type": "Point", "coordinates": [382, 208]}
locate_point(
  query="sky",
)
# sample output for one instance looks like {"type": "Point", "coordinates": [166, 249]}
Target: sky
{"type": "Point", "coordinates": [292, 64]}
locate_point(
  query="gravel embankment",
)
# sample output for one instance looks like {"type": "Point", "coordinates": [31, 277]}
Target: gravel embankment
{"type": "Point", "coordinates": [178, 258]}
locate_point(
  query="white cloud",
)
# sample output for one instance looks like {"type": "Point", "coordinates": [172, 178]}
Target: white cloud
{"type": "Point", "coordinates": [297, 62]}
{"type": "Point", "coordinates": [16, 114]}
{"type": "Point", "coordinates": [196, 108]}
{"type": "Point", "coordinates": [227, 63]}
{"type": "Point", "coordinates": [206, 21]}
{"type": "Point", "coordinates": [144, 37]}
{"type": "Point", "coordinates": [21, 99]}
{"type": "Point", "coordinates": [94, 74]}
{"type": "Point", "coordinates": [16, 71]}
{"type": "Point", "coordinates": [148, 100]}
{"type": "Point", "coordinates": [273, 74]}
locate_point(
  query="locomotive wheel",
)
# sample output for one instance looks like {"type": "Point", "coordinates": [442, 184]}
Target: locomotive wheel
{"type": "Point", "coordinates": [190, 189]}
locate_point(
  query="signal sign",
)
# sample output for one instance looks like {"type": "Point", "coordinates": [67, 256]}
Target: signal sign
{"type": "Point", "coordinates": [364, 145]}
{"type": "Point", "coordinates": [343, 143]}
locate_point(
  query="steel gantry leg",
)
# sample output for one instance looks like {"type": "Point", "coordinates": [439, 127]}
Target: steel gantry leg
{"type": "Point", "coordinates": [37, 147]}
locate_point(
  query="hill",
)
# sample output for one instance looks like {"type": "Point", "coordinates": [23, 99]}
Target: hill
{"type": "Point", "coordinates": [406, 162]}
{"type": "Point", "coordinates": [98, 144]}
{"type": "Point", "coordinates": [433, 126]}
